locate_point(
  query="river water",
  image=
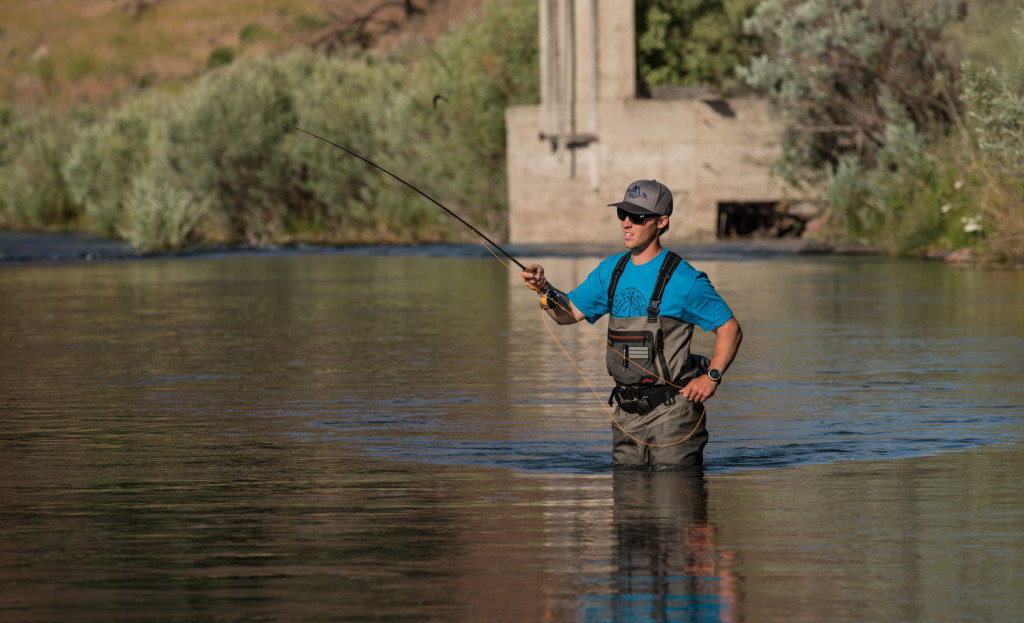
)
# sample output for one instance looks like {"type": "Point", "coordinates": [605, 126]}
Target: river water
{"type": "Point", "coordinates": [396, 436]}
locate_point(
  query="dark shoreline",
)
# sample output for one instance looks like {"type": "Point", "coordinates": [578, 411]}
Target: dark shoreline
{"type": "Point", "coordinates": [60, 248]}
{"type": "Point", "coordinates": [36, 248]}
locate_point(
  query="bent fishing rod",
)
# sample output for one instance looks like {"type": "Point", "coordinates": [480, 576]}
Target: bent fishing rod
{"type": "Point", "coordinates": [373, 164]}
{"type": "Point", "coordinates": [480, 235]}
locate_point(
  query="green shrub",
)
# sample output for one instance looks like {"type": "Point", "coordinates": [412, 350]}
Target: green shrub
{"type": "Point", "coordinates": [351, 100]}
{"type": "Point", "coordinates": [698, 42]}
{"type": "Point", "coordinates": [832, 65]}
{"type": "Point", "coordinates": [251, 32]}
{"type": "Point", "coordinates": [160, 215]}
{"type": "Point", "coordinates": [224, 141]}
{"type": "Point", "coordinates": [108, 156]}
{"type": "Point", "coordinates": [997, 115]}
{"type": "Point", "coordinates": [220, 57]}
{"type": "Point", "coordinates": [458, 143]}
{"type": "Point", "coordinates": [452, 147]}
{"type": "Point", "coordinates": [33, 147]}
{"type": "Point", "coordinates": [996, 105]}
{"type": "Point", "coordinates": [873, 96]}
{"type": "Point", "coordinates": [920, 198]}
{"type": "Point", "coordinates": [223, 162]}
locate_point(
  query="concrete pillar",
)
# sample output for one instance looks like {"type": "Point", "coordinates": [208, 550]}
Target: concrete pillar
{"type": "Point", "coordinates": [616, 23]}
{"type": "Point", "coordinates": [588, 50]}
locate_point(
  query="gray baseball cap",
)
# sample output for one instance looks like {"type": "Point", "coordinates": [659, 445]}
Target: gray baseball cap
{"type": "Point", "coordinates": [646, 197]}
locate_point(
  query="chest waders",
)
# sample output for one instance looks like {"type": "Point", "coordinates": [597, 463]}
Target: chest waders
{"type": "Point", "coordinates": [649, 356]}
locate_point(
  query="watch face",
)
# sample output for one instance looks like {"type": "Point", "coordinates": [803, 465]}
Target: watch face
{"type": "Point", "coordinates": [715, 375]}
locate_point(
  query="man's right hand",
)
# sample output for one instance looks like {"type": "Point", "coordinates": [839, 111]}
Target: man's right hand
{"type": "Point", "coordinates": [533, 276]}
{"type": "Point", "coordinates": [563, 311]}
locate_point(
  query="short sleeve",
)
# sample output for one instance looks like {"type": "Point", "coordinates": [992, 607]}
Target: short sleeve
{"type": "Point", "coordinates": [704, 307]}
{"type": "Point", "coordinates": [591, 296]}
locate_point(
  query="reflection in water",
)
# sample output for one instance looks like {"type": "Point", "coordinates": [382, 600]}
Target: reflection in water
{"type": "Point", "coordinates": [666, 564]}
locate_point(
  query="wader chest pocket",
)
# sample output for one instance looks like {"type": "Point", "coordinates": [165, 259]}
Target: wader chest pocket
{"type": "Point", "coordinates": [632, 358]}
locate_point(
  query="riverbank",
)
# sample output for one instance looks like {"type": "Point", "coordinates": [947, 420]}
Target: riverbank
{"type": "Point", "coordinates": [18, 247]}
{"type": "Point", "coordinates": [73, 248]}
{"type": "Point", "coordinates": [21, 247]}
{"type": "Point", "coordinates": [61, 248]}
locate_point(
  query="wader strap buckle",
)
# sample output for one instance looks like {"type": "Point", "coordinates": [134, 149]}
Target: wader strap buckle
{"type": "Point", "coordinates": [643, 400]}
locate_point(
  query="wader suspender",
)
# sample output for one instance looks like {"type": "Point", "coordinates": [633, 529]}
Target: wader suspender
{"type": "Point", "coordinates": [619, 268]}
{"type": "Point", "coordinates": [668, 266]}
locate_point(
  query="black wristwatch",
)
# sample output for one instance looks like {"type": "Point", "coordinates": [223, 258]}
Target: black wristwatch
{"type": "Point", "coordinates": [715, 375]}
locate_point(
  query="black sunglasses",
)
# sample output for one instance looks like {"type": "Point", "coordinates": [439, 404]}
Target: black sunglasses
{"type": "Point", "coordinates": [637, 219]}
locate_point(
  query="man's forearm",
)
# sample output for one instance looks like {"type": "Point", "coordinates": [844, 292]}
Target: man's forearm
{"type": "Point", "coordinates": [727, 344]}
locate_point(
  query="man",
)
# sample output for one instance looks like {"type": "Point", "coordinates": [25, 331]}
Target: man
{"type": "Point", "coordinates": [654, 300]}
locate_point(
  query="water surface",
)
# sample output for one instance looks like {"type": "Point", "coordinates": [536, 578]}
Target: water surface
{"type": "Point", "coordinates": [396, 436]}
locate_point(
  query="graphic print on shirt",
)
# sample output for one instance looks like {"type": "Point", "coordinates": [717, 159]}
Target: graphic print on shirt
{"type": "Point", "coordinates": [629, 302]}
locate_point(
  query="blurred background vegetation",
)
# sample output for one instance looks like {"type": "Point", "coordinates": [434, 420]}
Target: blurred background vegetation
{"type": "Point", "coordinates": [162, 122]}
{"type": "Point", "coordinates": [907, 114]}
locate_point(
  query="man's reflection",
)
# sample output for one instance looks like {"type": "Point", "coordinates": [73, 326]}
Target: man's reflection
{"type": "Point", "coordinates": [668, 566]}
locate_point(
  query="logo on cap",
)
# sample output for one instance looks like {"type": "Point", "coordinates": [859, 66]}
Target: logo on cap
{"type": "Point", "coordinates": [634, 192]}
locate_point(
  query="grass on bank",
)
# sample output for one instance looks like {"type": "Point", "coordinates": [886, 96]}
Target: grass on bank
{"type": "Point", "coordinates": [69, 52]}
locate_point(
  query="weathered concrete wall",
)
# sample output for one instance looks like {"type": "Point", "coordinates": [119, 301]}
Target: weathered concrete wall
{"type": "Point", "coordinates": [590, 137]}
{"type": "Point", "coordinates": [703, 156]}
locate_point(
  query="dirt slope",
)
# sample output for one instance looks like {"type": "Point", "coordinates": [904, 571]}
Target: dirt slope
{"type": "Point", "coordinates": [60, 52]}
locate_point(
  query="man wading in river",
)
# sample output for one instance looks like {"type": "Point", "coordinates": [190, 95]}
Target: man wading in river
{"type": "Point", "coordinates": [654, 300]}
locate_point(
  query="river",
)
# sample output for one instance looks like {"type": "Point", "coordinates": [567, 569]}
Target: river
{"type": "Point", "coordinates": [395, 435]}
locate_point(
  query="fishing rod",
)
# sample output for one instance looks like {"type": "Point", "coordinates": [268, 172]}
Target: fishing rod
{"type": "Point", "coordinates": [373, 164]}
{"type": "Point", "coordinates": [480, 235]}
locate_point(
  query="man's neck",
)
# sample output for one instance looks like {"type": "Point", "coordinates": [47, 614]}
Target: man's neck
{"type": "Point", "coordinates": [646, 254]}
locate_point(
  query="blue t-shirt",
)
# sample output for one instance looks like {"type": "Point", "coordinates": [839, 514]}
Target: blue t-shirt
{"type": "Point", "coordinates": [689, 295]}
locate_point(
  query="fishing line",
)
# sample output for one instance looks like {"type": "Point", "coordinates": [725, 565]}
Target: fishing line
{"type": "Point", "coordinates": [487, 243]}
